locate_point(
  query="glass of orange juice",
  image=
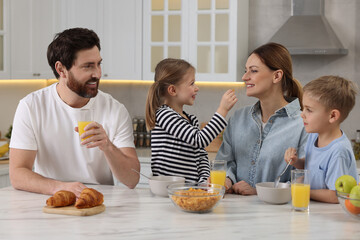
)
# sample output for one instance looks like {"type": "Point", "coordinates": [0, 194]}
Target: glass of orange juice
{"type": "Point", "coordinates": [218, 172]}
{"type": "Point", "coordinates": [300, 189]}
{"type": "Point", "coordinates": [85, 117]}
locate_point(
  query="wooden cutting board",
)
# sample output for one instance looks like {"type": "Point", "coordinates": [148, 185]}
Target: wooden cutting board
{"type": "Point", "coordinates": [72, 210]}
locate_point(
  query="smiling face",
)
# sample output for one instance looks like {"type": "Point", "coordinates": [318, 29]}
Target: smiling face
{"type": "Point", "coordinates": [186, 90]}
{"type": "Point", "coordinates": [257, 77]}
{"type": "Point", "coordinates": [316, 116]}
{"type": "Point", "coordinates": [84, 76]}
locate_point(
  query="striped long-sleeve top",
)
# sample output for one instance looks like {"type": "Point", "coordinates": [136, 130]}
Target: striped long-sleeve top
{"type": "Point", "coordinates": [177, 144]}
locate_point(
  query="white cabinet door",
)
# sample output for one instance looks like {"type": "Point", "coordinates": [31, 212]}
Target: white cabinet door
{"type": "Point", "coordinates": [118, 25]}
{"type": "Point", "coordinates": [33, 26]}
{"type": "Point", "coordinates": [121, 42]}
{"type": "Point", "coordinates": [4, 181]}
{"type": "Point", "coordinates": [84, 14]}
{"type": "Point", "coordinates": [201, 32]}
{"type": "Point", "coordinates": [146, 170]}
{"type": "Point", "coordinates": [4, 39]}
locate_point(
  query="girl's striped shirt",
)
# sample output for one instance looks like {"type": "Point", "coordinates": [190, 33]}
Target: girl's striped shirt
{"type": "Point", "coordinates": [177, 144]}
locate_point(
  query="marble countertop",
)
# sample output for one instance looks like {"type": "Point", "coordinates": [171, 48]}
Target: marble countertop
{"type": "Point", "coordinates": [137, 214]}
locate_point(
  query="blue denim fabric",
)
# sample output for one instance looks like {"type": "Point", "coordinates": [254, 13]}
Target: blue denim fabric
{"type": "Point", "coordinates": [255, 155]}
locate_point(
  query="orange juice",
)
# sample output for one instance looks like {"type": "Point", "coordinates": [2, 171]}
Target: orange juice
{"type": "Point", "coordinates": [300, 194]}
{"type": "Point", "coordinates": [218, 177]}
{"type": "Point", "coordinates": [81, 126]}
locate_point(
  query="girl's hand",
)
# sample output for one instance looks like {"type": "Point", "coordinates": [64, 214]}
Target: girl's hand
{"type": "Point", "coordinates": [290, 154]}
{"type": "Point", "coordinates": [228, 100]}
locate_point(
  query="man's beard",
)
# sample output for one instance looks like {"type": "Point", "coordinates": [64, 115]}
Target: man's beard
{"type": "Point", "coordinates": [82, 90]}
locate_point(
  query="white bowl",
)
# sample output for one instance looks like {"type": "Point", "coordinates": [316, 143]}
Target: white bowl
{"type": "Point", "coordinates": [158, 184]}
{"type": "Point", "coordinates": [269, 194]}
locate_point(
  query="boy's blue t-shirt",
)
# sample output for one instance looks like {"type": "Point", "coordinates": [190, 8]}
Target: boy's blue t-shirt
{"type": "Point", "coordinates": [328, 163]}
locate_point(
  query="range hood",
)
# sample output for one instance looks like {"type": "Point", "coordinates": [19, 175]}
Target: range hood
{"type": "Point", "coordinates": [307, 32]}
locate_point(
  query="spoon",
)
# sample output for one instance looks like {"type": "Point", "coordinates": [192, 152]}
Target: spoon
{"type": "Point", "coordinates": [141, 174]}
{"type": "Point", "coordinates": [277, 180]}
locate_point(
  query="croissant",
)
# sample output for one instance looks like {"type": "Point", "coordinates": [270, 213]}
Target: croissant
{"type": "Point", "coordinates": [89, 197]}
{"type": "Point", "coordinates": [61, 198]}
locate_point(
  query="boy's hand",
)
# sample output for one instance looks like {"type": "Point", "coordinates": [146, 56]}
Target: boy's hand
{"type": "Point", "coordinates": [228, 100]}
{"type": "Point", "coordinates": [291, 154]}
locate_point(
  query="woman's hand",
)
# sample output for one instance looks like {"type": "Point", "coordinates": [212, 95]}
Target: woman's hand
{"type": "Point", "coordinates": [228, 186]}
{"type": "Point", "coordinates": [243, 188]}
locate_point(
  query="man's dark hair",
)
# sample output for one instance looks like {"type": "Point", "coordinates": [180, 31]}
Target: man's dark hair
{"type": "Point", "coordinates": [67, 44]}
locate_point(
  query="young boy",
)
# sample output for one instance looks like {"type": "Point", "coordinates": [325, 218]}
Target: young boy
{"type": "Point", "coordinates": [327, 101]}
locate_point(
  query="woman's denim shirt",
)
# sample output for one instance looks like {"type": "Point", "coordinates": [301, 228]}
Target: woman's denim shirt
{"type": "Point", "coordinates": [256, 155]}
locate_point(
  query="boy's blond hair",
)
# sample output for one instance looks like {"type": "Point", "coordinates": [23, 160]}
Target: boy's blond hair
{"type": "Point", "coordinates": [333, 92]}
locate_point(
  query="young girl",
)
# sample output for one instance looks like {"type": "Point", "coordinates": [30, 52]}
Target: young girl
{"type": "Point", "coordinates": [177, 143]}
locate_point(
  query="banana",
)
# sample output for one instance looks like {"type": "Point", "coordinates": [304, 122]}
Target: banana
{"type": "Point", "coordinates": [4, 149]}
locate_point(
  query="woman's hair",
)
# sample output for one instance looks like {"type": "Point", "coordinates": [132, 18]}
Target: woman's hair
{"type": "Point", "coordinates": [67, 44]}
{"type": "Point", "coordinates": [276, 57]}
{"type": "Point", "coordinates": [333, 92]}
{"type": "Point", "coordinates": [167, 72]}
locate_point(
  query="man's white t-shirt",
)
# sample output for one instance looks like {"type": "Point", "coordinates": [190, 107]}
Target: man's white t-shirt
{"type": "Point", "coordinates": [45, 123]}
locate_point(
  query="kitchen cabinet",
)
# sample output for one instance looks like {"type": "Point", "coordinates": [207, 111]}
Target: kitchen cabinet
{"type": "Point", "coordinates": [135, 35]}
{"type": "Point", "coordinates": [4, 174]}
{"type": "Point", "coordinates": [118, 24]}
{"type": "Point", "coordinates": [4, 39]}
{"type": "Point", "coordinates": [144, 156]}
{"type": "Point", "coordinates": [146, 170]}
{"type": "Point", "coordinates": [201, 32]}
{"type": "Point", "coordinates": [33, 26]}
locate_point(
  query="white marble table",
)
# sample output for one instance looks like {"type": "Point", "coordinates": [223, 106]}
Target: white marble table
{"type": "Point", "coordinates": [136, 214]}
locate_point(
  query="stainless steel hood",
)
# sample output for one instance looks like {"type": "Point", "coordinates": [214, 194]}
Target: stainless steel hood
{"type": "Point", "coordinates": [307, 32]}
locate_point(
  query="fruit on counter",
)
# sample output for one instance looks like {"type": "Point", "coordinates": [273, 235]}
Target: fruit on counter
{"type": "Point", "coordinates": [4, 149]}
{"type": "Point", "coordinates": [351, 208]}
{"type": "Point", "coordinates": [355, 194]}
{"type": "Point", "coordinates": [345, 183]}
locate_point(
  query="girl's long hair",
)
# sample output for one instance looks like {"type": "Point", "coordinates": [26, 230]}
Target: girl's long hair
{"type": "Point", "coordinates": [277, 57]}
{"type": "Point", "coordinates": [168, 72]}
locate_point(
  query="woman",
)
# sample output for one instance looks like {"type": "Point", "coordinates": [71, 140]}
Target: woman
{"type": "Point", "coordinates": [257, 136]}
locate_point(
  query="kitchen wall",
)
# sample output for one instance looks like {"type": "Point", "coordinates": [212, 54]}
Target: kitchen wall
{"type": "Point", "coordinates": [131, 93]}
{"type": "Point", "coordinates": [207, 100]}
{"type": "Point", "coordinates": [265, 18]}
{"type": "Point", "coordinates": [11, 91]}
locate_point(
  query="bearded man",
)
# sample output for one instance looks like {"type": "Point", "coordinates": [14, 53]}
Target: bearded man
{"type": "Point", "coordinates": [45, 152]}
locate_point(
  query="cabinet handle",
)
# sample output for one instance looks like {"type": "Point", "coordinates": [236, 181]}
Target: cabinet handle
{"type": "Point", "coordinates": [105, 75]}
{"type": "Point", "coordinates": [36, 74]}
